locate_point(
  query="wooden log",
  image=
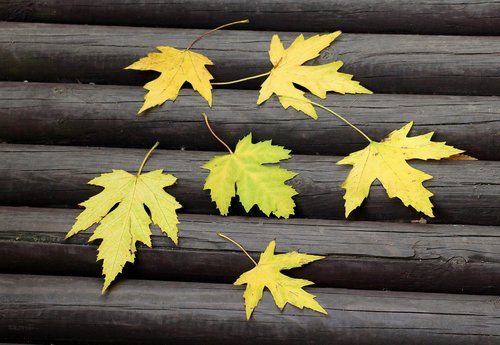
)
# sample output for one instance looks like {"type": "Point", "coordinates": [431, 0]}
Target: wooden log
{"type": "Point", "coordinates": [76, 114]}
{"type": "Point", "coordinates": [466, 191]}
{"type": "Point", "coordinates": [383, 63]}
{"type": "Point", "coordinates": [360, 255]}
{"type": "Point", "coordinates": [449, 17]}
{"type": "Point", "coordinates": [71, 310]}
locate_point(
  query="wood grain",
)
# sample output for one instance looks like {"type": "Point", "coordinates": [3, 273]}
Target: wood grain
{"type": "Point", "coordinates": [31, 175]}
{"type": "Point", "coordinates": [383, 63]}
{"type": "Point", "coordinates": [100, 115]}
{"type": "Point", "coordinates": [360, 255]}
{"type": "Point", "coordinates": [450, 17]}
{"type": "Point", "coordinates": [72, 310]}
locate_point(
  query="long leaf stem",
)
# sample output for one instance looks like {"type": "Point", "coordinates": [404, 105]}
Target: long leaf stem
{"type": "Point", "coordinates": [237, 244]}
{"type": "Point", "coordinates": [343, 119]}
{"type": "Point", "coordinates": [244, 21]}
{"type": "Point", "coordinates": [242, 79]}
{"type": "Point", "coordinates": [215, 135]}
{"type": "Point", "coordinates": [333, 113]}
{"type": "Point", "coordinates": [147, 156]}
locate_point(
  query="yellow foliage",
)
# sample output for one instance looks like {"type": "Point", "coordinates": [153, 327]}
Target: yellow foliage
{"type": "Point", "coordinates": [176, 67]}
{"type": "Point", "coordinates": [283, 288]}
{"type": "Point", "coordinates": [288, 70]}
{"type": "Point", "coordinates": [129, 222]}
{"type": "Point", "coordinates": [386, 161]}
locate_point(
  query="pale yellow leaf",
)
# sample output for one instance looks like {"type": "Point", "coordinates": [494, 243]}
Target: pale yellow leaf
{"type": "Point", "coordinates": [283, 288]}
{"type": "Point", "coordinates": [288, 70]}
{"type": "Point", "coordinates": [120, 228]}
{"type": "Point", "coordinates": [386, 161]}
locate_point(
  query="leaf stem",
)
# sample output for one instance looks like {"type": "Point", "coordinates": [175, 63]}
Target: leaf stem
{"type": "Point", "coordinates": [215, 135]}
{"type": "Point", "coordinates": [333, 113]}
{"type": "Point", "coordinates": [237, 244]}
{"type": "Point", "coordinates": [343, 119]}
{"type": "Point", "coordinates": [242, 79]}
{"type": "Point", "coordinates": [244, 21]}
{"type": "Point", "coordinates": [147, 156]}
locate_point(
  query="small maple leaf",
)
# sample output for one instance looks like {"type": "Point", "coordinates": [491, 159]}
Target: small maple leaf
{"type": "Point", "coordinates": [283, 288]}
{"type": "Point", "coordinates": [256, 183]}
{"type": "Point", "coordinates": [176, 67]}
{"type": "Point", "coordinates": [288, 70]}
{"type": "Point", "coordinates": [386, 161]}
{"type": "Point", "coordinates": [129, 222]}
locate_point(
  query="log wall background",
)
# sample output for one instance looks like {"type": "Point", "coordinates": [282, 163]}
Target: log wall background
{"type": "Point", "coordinates": [68, 113]}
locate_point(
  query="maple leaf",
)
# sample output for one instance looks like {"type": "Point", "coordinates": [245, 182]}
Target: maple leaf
{"type": "Point", "coordinates": [284, 289]}
{"type": "Point", "coordinates": [288, 70]}
{"type": "Point", "coordinates": [129, 222]}
{"type": "Point", "coordinates": [256, 183]}
{"type": "Point", "coordinates": [176, 67]}
{"type": "Point", "coordinates": [386, 161]}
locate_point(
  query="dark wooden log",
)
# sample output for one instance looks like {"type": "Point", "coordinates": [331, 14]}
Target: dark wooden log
{"type": "Point", "coordinates": [361, 255]}
{"type": "Point", "coordinates": [383, 63]}
{"type": "Point", "coordinates": [466, 191]}
{"type": "Point", "coordinates": [76, 114]}
{"type": "Point", "coordinates": [450, 17]}
{"type": "Point", "coordinates": [65, 310]}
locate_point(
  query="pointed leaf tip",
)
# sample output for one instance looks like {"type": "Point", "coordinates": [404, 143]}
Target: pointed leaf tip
{"type": "Point", "coordinates": [176, 67]}
{"type": "Point", "coordinates": [283, 288]}
{"type": "Point", "coordinates": [386, 161]}
{"type": "Point", "coordinates": [289, 70]}
{"type": "Point", "coordinates": [122, 219]}
{"type": "Point", "coordinates": [256, 183]}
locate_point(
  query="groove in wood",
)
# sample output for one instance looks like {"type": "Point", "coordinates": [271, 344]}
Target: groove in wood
{"type": "Point", "coordinates": [383, 63]}
{"type": "Point", "coordinates": [99, 115]}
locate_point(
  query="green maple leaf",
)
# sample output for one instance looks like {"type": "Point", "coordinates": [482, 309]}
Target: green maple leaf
{"type": "Point", "coordinates": [242, 172]}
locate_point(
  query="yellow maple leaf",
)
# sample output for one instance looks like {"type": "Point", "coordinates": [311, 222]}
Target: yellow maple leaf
{"type": "Point", "coordinates": [256, 183]}
{"type": "Point", "coordinates": [284, 289]}
{"type": "Point", "coordinates": [129, 222]}
{"type": "Point", "coordinates": [176, 67]}
{"type": "Point", "coordinates": [288, 70]}
{"type": "Point", "coordinates": [386, 161]}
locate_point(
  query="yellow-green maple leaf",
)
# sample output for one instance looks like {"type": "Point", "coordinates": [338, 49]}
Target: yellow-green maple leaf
{"type": "Point", "coordinates": [256, 184]}
{"type": "Point", "coordinates": [288, 70]}
{"type": "Point", "coordinates": [283, 288]}
{"type": "Point", "coordinates": [129, 222]}
{"type": "Point", "coordinates": [386, 161]}
{"type": "Point", "coordinates": [176, 67]}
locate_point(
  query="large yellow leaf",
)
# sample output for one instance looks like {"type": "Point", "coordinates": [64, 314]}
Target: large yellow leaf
{"type": "Point", "coordinates": [256, 183]}
{"type": "Point", "coordinates": [386, 161]}
{"type": "Point", "coordinates": [176, 67]}
{"type": "Point", "coordinates": [283, 288]}
{"type": "Point", "coordinates": [288, 70]}
{"type": "Point", "coordinates": [129, 222]}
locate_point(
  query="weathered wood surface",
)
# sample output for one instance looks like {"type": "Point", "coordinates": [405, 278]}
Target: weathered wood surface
{"type": "Point", "coordinates": [451, 17]}
{"type": "Point", "coordinates": [97, 115]}
{"type": "Point", "coordinates": [71, 310]}
{"type": "Point", "coordinates": [359, 255]}
{"type": "Point", "coordinates": [383, 63]}
{"type": "Point", "coordinates": [31, 175]}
